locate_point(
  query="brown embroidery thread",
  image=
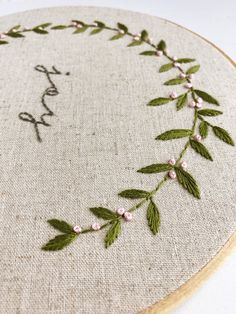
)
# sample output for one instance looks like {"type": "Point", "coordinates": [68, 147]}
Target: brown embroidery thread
{"type": "Point", "coordinates": [50, 91]}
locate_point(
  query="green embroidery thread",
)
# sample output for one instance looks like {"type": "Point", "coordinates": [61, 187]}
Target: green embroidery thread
{"type": "Point", "coordinates": [171, 169]}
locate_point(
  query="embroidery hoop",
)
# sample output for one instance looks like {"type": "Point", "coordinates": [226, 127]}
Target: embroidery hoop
{"type": "Point", "coordinates": [205, 270]}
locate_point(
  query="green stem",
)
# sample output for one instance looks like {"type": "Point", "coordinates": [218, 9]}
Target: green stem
{"type": "Point", "coordinates": [182, 153]}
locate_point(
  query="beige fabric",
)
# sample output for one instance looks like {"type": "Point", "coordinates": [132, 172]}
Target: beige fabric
{"type": "Point", "coordinates": [102, 133]}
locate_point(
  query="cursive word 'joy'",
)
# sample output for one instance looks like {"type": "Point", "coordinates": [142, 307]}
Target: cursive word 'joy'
{"type": "Point", "coordinates": [50, 91]}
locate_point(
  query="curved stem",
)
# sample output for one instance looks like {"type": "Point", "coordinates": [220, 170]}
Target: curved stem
{"type": "Point", "coordinates": [184, 150]}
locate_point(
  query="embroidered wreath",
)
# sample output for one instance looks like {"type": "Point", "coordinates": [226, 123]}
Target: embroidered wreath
{"type": "Point", "coordinates": [174, 168]}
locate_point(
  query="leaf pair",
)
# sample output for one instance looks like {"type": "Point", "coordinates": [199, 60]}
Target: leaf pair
{"type": "Point", "coordinates": [221, 133]}
{"type": "Point", "coordinates": [115, 229]}
{"type": "Point", "coordinates": [41, 29]}
{"type": "Point", "coordinates": [62, 240]}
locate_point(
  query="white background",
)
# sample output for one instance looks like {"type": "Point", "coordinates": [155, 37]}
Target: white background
{"type": "Point", "coordinates": [216, 21]}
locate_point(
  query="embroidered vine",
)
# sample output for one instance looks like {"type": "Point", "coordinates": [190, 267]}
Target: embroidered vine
{"type": "Point", "coordinates": [50, 91]}
{"type": "Point", "coordinates": [175, 168]}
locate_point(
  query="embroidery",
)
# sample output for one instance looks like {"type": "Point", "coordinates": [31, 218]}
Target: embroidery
{"type": "Point", "coordinates": [50, 91]}
{"type": "Point", "coordinates": [174, 168]}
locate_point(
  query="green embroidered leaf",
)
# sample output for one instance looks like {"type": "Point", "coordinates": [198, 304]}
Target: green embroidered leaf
{"type": "Point", "coordinates": [187, 181]}
{"type": "Point", "coordinates": [96, 31]}
{"type": "Point", "coordinates": [40, 31]}
{"type": "Point", "coordinates": [148, 53]}
{"type": "Point", "coordinates": [59, 242]}
{"type": "Point", "coordinates": [208, 98]}
{"type": "Point", "coordinates": [159, 101]}
{"type": "Point", "coordinates": [113, 233]}
{"type": "Point", "coordinates": [182, 101]}
{"type": "Point", "coordinates": [193, 69]}
{"type": "Point", "coordinates": [185, 60]}
{"type": "Point", "coordinates": [122, 27]}
{"type": "Point", "coordinates": [3, 42]}
{"type": "Point", "coordinates": [44, 25]}
{"type": "Point", "coordinates": [223, 135]}
{"type": "Point", "coordinates": [15, 35]}
{"type": "Point", "coordinates": [155, 168]}
{"type": "Point", "coordinates": [117, 36]}
{"type": "Point", "coordinates": [135, 43]}
{"type": "Point", "coordinates": [61, 225]}
{"type": "Point", "coordinates": [78, 22]}
{"type": "Point", "coordinates": [14, 28]}
{"type": "Point", "coordinates": [200, 149]}
{"type": "Point", "coordinates": [100, 24]}
{"type": "Point", "coordinates": [161, 45]}
{"type": "Point", "coordinates": [209, 112]}
{"type": "Point", "coordinates": [80, 30]}
{"type": "Point", "coordinates": [133, 194]}
{"type": "Point", "coordinates": [166, 67]}
{"type": "Point", "coordinates": [103, 213]}
{"type": "Point", "coordinates": [57, 27]}
{"type": "Point", "coordinates": [173, 134]}
{"type": "Point", "coordinates": [153, 217]}
{"type": "Point", "coordinates": [203, 129]}
{"type": "Point", "coordinates": [175, 81]}
{"type": "Point", "coordinates": [144, 35]}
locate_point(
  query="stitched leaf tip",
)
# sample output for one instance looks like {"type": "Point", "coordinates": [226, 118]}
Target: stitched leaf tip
{"type": "Point", "coordinates": [61, 225]}
{"type": "Point", "coordinates": [134, 194]}
{"type": "Point", "coordinates": [205, 96]}
{"type": "Point", "coordinates": [155, 168]}
{"type": "Point", "coordinates": [201, 149]}
{"type": "Point", "coordinates": [188, 182]}
{"type": "Point", "coordinates": [103, 213]}
{"type": "Point", "coordinates": [153, 217]}
{"type": "Point", "coordinates": [159, 101]}
{"type": "Point", "coordinates": [113, 233]}
{"type": "Point", "coordinates": [174, 134]}
{"type": "Point", "coordinates": [59, 242]}
{"type": "Point", "coordinates": [223, 135]}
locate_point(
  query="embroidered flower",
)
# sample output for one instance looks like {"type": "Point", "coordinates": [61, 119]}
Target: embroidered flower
{"type": "Point", "coordinates": [2, 36]}
{"type": "Point", "coordinates": [173, 95]}
{"type": "Point", "coordinates": [182, 75]}
{"type": "Point", "coordinates": [120, 211]}
{"type": "Point", "coordinates": [197, 137]}
{"type": "Point", "coordinates": [184, 165]}
{"type": "Point", "coordinates": [192, 104]}
{"type": "Point", "coordinates": [128, 216]}
{"type": "Point", "coordinates": [77, 229]}
{"type": "Point", "coordinates": [136, 37]}
{"type": "Point", "coordinates": [159, 53]}
{"type": "Point", "coordinates": [177, 64]}
{"type": "Point", "coordinates": [188, 85]}
{"type": "Point", "coordinates": [172, 174]}
{"type": "Point", "coordinates": [172, 161]}
{"type": "Point", "coordinates": [96, 226]}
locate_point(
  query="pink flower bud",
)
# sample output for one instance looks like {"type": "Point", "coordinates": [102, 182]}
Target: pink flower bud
{"type": "Point", "coordinates": [120, 211]}
{"type": "Point", "coordinates": [177, 64]}
{"type": "Point", "coordinates": [182, 75]}
{"type": "Point", "coordinates": [95, 226]}
{"type": "Point", "coordinates": [128, 216]}
{"type": "Point", "coordinates": [77, 229]}
{"type": "Point", "coordinates": [197, 137]}
{"type": "Point", "coordinates": [199, 105]}
{"type": "Point", "coordinates": [172, 174]}
{"type": "Point", "coordinates": [172, 161]}
{"type": "Point", "coordinates": [183, 165]}
{"type": "Point", "coordinates": [173, 95]}
{"type": "Point", "coordinates": [192, 104]}
{"type": "Point", "coordinates": [159, 53]}
{"type": "Point", "coordinates": [188, 85]}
